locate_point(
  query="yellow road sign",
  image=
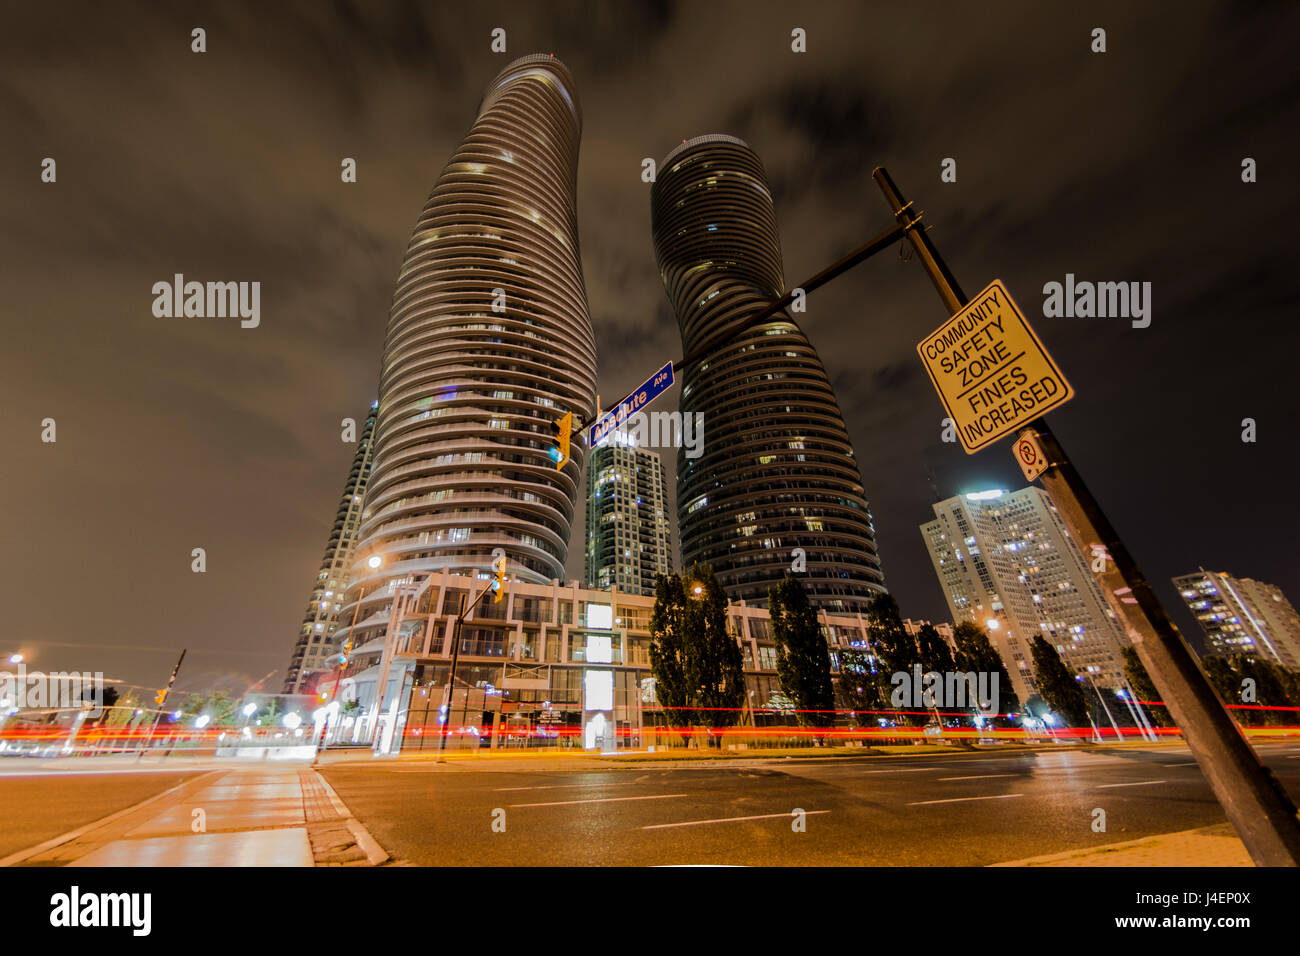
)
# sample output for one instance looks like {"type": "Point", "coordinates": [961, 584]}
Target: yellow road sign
{"type": "Point", "coordinates": [990, 370]}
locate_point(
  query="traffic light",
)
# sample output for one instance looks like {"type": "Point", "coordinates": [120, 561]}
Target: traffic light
{"type": "Point", "coordinates": [499, 582]}
{"type": "Point", "coordinates": [563, 433]}
{"type": "Point", "coordinates": [160, 697]}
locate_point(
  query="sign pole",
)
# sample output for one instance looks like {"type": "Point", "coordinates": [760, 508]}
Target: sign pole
{"type": "Point", "coordinates": [1259, 809]}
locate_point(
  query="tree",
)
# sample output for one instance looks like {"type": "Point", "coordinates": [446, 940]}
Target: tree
{"type": "Point", "coordinates": [894, 647]}
{"type": "Point", "coordinates": [1222, 678]}
{"type": "Point", "coordinates": [860, 688]}
{"type": "Point", "coordinates": [1270, 690]}
{"type": "Point", "coordinates": [1060, 691]}
{"type": "Point", "coordinates": [123, 711]}
{"type": "Point", "coordinates": [976, 654]}
{"type": "Point", "coordinates": [1144, 688]}
{"type": "Point", "coordinates": [669, 659]}
{"type": "Point", "coordinates": [716, 669]}
{"type": "Point", "coordinates": [933, 650]}
{"type": "Point", "coordinates": [1291, 685]}
{"type": "Point", "coordinates": [219, 707]}
{"type": "Point", "coordinates": [271, 714]}
{"type": "Point", "coordinates": [803, 661]}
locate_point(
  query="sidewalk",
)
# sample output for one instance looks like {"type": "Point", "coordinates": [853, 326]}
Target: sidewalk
{"type": "Point", "coordinates": [257, 816]}
{"type": "Point", "coordinates": [1209, 846]}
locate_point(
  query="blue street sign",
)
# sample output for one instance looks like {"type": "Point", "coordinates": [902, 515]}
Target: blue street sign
{"type": "Point", "coordinates": [647, 392]}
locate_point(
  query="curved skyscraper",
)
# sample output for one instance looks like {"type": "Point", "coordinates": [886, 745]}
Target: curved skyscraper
{"type": "Point", "coordinates": [777, 470]}
{"type": "Point", "coordinates": [489, 341]}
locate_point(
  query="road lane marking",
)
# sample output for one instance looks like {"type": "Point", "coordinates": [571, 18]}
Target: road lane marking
{"type": "Point", "coordinates": [1139, 783]}
{"type": "Point", "coordinates": [978, 776]}
{"type": "Point", "coordinates": [566, 803]}
{"type": "Point", "coordinates": [908, 770]}
{"type": "Point", "coordinates": [996, 796]}
{"type": "Point", "coordinates": [700, 823]}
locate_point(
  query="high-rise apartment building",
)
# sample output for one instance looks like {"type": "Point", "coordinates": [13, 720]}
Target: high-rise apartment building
{"type": "Point", "coordinates": [1006, 562]}
{"type": "Point", "coordinates": [316, 645]}
{"type": "Point", "coordinates": [488, 343]}
{"type": "Point", "coordinates": [777, 471]}
{"type": "Point", "coordinates": [629, 540]}
{"type": "Point", "coordinates": [1242, 616]}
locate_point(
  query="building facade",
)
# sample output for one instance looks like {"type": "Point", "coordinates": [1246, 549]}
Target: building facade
{"type": "Point", "coordinates": [629, 537]}
{"type": "Point", "coordinates": [777, 471]}
{"type": "Point", "coordinates": [532, 667]}
{"type": "Point", "coordinates": [1242, 616]}
{"type": "Point", "coordinates": [1006, 562]}
{"type": "Point", "coordinates": [489, 342]}
{"type": "Point", "coordinates": [315, 650]}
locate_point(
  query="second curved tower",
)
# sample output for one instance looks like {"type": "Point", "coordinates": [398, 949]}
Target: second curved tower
{"type": "Point", "coordinates": [777, 470]}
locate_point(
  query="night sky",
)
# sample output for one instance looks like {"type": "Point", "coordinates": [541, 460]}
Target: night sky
{"type": "Point", "coordinates": [184, 432]}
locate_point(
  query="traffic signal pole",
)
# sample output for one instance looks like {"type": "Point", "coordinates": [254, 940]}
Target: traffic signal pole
{"type": "Point", "coordinates": [461, 614]}
{"type": "Point", "coordinates": [1258, 807]}
{"type": "Point", "coordinates": [161, 698]}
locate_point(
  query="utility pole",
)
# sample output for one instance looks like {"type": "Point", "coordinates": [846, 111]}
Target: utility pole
{"type": "Point", "coordinates": [493, 588]}
{"type": "Point", "coordinates": [1259, 809]}
{"type": "Point", "coordinates": [161, 697]}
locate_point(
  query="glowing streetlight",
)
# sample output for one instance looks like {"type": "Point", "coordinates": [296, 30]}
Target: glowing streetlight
{"type": "Point", "coordinates": [201, 721]}
{"type": "Point", "coordinates": [250, 710]}
{"type": "Point", "coordinates": [374, 561]}
{"type": "Point", "coordinates": [15, 658]}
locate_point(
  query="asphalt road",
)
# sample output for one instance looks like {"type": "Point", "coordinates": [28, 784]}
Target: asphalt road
{"type": "Point", "coordinates": [957, 810]}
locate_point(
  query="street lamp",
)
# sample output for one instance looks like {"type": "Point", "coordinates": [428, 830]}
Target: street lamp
{"type": "Point", "coordinates": [15, 658]}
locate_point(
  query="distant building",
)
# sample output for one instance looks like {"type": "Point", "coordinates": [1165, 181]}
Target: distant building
{"type": "Point", "coordinates": [629, 537]}
{"type": "Point", "coordinates": [1242, 616]}
{"type": "Point", "coordinates": [1006, 562]}
{"type": "Point", "coordinates": [776, 482]}
{"type": "Point", "coordinates": [944, 629]}
{"type": "Point", "coordinates": [315, 645]}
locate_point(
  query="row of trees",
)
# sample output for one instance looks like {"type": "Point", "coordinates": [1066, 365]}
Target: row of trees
{"type": "Point", "coordinates": [696, 663]}
{"type": "Point", "coordinates": [699, 680]}
{"type": "Point", "coordinates": [1265, 694]}
{"type": "Point", "coordinates": [698, 669]}
{"type": "Point", "coordinates": [865, 684]}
